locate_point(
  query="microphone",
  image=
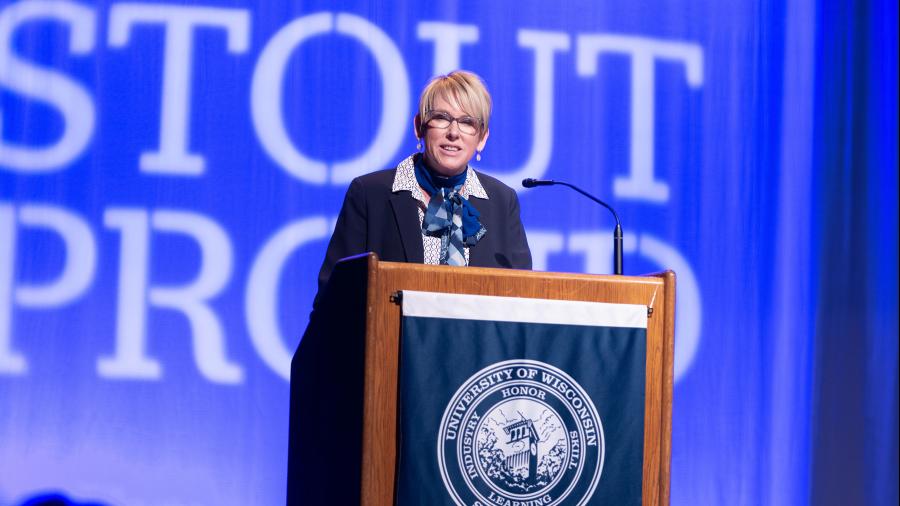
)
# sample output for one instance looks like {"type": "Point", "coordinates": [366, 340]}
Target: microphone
{"type": "Point", "coordinates": [531, 183]}
{"type": "Point", "coordinates": [617, 233]}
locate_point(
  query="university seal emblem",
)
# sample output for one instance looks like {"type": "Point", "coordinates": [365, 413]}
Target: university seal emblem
{"type": "Point", "coordinates": [520, 433]}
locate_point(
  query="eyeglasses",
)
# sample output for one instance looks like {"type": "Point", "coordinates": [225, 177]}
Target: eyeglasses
{"type": "Point", "coordinates": [467, 124]}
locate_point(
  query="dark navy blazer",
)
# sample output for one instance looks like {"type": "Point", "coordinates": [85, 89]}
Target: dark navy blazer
{"type": "Point", "coordinates": [373, 218]}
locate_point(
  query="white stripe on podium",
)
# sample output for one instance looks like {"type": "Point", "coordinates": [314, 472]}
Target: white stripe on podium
{"type": "Point", "coordinates": [518, 309]}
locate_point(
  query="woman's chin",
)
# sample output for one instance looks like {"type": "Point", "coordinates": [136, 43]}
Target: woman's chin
{"type": "Point", "coordinates": [448, 166]}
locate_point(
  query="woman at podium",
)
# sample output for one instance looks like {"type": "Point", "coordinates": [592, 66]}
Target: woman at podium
{"type": "Point", "coordinates": [434, 208]}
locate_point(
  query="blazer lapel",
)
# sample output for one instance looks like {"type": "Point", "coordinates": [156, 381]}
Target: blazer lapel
{"type": "Point", "coordinates": [406, 217]}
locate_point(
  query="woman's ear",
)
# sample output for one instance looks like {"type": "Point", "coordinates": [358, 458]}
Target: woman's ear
{"type": "Point", "coordinates": [417, 126]}
{"type": "Point", "coordinates": [483, 140]}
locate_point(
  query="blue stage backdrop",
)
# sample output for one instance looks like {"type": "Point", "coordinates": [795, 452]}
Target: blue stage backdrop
{"type": "Point", "coordinates": [170, 173]}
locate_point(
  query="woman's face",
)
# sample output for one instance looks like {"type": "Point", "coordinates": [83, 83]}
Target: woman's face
{"type": "Point", "coordinates": [448, 150]}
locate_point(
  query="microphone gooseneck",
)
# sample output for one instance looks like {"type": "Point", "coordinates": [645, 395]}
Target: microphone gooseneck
{"type": "Point", "coordinates": [617, 233]}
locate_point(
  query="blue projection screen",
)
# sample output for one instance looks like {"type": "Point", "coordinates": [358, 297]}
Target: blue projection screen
{"type": "Point", "coordinates": [170, 173]}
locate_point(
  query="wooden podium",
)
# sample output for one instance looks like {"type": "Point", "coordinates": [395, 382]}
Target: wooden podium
{"type": "Point", "coordinates": [344, 374]}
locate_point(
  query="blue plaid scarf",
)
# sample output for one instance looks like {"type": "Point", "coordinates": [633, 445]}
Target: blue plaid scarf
{"type": "Point", "coordinates": [449, 215]}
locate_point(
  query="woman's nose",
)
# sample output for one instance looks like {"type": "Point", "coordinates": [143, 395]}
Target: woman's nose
{"type": "Point", "coordinates": [453, 130]}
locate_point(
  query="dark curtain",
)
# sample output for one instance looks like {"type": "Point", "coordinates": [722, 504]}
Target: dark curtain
{"type": "Point", "coordinates": [855, 427]}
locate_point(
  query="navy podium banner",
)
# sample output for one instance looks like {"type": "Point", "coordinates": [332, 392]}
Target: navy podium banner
{"type": "Point", "coordinates": [517, 401]}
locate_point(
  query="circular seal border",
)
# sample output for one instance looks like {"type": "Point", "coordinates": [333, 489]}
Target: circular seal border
{"type": "Point", "coordinates": [497, 366]}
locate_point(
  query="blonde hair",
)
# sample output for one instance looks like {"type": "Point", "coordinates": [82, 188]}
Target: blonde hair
{"type": "Point", "coordinates": [465, 89]}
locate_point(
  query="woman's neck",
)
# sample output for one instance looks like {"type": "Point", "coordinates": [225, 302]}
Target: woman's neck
{"type": "Point", "coordinates": [430, 166]}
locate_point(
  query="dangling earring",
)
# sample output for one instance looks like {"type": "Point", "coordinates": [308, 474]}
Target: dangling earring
{"type": "Point", "coordinates": [478, 156]}
{"type": "Point", "coordinates": [419, 145]}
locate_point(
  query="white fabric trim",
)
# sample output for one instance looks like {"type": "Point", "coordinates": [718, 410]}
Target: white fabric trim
{"type": "Point", "coordinates": [518, 309]}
